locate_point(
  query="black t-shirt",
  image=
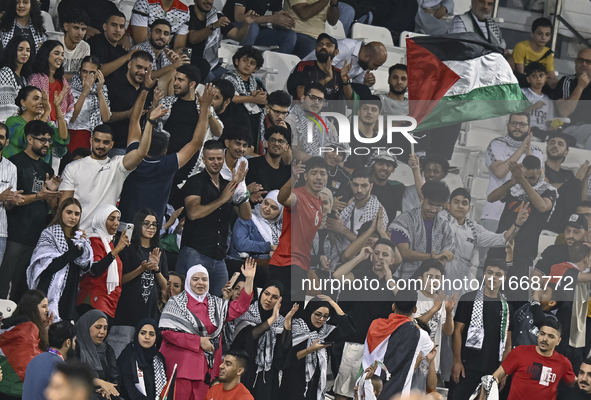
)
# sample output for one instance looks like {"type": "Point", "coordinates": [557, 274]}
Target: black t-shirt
{"type": "Point", "coordinates": [555, 254]}
{"type": "Point", "coordinates": [235, 115]}
{"type": "Point", "coordinates": [526, 240]}
{"type": "Point", "coordinates": [97, 10]}
{"type": "Point", "coordinates": [123, 95]}
{"type": "Point", "coordinates": [364, 271]}
{"type": "Point", "coordinates": [361, 159]}
{"type": "Point", "coordinates": [181, 126]}
{"type": "Point", "coordinates": [485, 360]}
{"type": "Point", "coordinates": [575, 393]}
{"type": "Point", "coordinates": [25, 223]}
{"type": "Point", "coordinates": [557, 176]}
{"type": "Point", "coordinates": [309, 71]}
{"type": "Point", "coordinates": [364, 313]}
{"type": "Point", "coordinates": [139, 296]}
{"type": "Point", "coordinates": [261, 172]}
{"type": "Point", "coordinates": [339, 182]}
{"type": "Point", "coordinates": [259, 6]}
{"type": "Point", "coordinates": [106, 53]}
{"type": "Point", "coordinates": [195, 24]}
{"type": "Point", "coordinates": [207, 235]}
{"type": "Point", "coordinates": [563, 90]}
{"type": "Point", "coordinates": [390, 195]}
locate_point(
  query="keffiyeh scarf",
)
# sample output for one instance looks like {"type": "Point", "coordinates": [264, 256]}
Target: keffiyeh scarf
{"type": "Point", "coordinates": [41, 81]}
{"type": "Point", "coordinates": [320, 136]}
{"type": "Point", "coordinates": [266, 342]}
{"type": "Point", "coordinates": [212, 45]}
{"type": "Point", "coordinates": [52, 244]}
{"type": "Point", "coordinates": [540, 187]}
{"type": "Point", "coordinates": [490, 386]}
{"type": "Point", "coordinates": [495, 37]}
{"type": "Point", "coordinates": [509, 142]}
{"type": "Point", "coordinates": [176, 316]}
{"type": "Point", "coordinates": [368, 213]}
{"type": "Point", "coordinates": [94, 105]}
{"type": "Point", "coordinates": [159, 377]}
{"type": "Point", "coordinates": [269, 230]}
{"type": "Point", "coordinates": [301, 333]}
{"type": "Point", "coordinates": [475, 336]}
{"type": "Point", "coordinates": [37, 36]}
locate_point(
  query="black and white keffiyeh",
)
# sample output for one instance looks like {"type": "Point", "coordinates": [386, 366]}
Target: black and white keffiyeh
{"type": "Point", "coordinates": [212, 44]}
{"type": "Point", "coordinates": [159, 374]}
{"type": "Point", "coordinates": [540, 187]}
{"type": "Point", "coordinates": [38, 37]}
{"type": "Point", "coordinates": [77, 87]}
{"type": "Point", "coordinates": [177, 317]}
{"type": "Point", "coordinates": [509, 142]}
{"type": "Point", "coordinates": [490, 386]}
{"type": "Point", "coordinates": [368, 212]}
{"type": "Point", "coordinates": [270, 230]}
{"type": "Point", "coordinates": [266, 342]}
{"type": "Point", "coordinates": [475, 336]}
{"type": "Point", "coordinates": [300, 333]}
{"type": "Point", "coordinates": [320, 136]}
{"type": "Point", "coordinates": [52, 244]}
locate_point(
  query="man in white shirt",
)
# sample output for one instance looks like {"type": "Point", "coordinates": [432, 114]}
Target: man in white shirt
{"type": "Point", "coordinates": [237, 142]}
{"type": "Point", "coordinates": [366, 58]}
{"type": "Point", "coordinates": [512, 147]}
{"type": "Point", "coordinates": [145, 12]}
{"type": "Point", "coordinates": [478, 20]}
{"type": "Point", "coordinates": [97, 180]}
{"type": "Point", "coordinates": [74, 23]}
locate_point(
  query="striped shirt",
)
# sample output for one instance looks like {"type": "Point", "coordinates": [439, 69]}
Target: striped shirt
{"type": "Point", "coordinates": [7, 179]}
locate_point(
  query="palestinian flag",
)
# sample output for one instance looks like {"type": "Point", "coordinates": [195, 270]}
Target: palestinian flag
{"type": "Point", "coordinates": [168, 391]}
{"type": "Point", "coordinates": [459, 77]}
{"type": "Point", "coordinates": [393, 341]}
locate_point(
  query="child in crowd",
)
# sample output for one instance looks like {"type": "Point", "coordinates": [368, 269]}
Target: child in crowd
{"type": "Point", "coordinates": [542, 110]}
{"type": "Point", "coordinates": [250, 91]}
{"type": "Point", "coordinates": [535, 50]}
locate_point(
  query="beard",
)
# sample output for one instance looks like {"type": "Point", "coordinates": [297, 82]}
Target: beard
{"type": "Point", "coordinates": [156, 46]}
{"type": "Point", "coordinates": [550, 157]}
{"type": "Point", "coordinates": [322, 57]}
{"type": "Point", "coordinates": [397, 92]}
{"type": "Point", "coordinates": [363, 64]}
{"type": "Point", "coordinates": [519, 139]}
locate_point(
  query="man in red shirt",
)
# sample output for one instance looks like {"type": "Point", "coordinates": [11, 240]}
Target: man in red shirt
{"type": "Point", "coordinates": [536, 370]}
{"type": "Point", "coordinates": [231, 369]}
{"type": "Point", "coordinates": [301, 219]}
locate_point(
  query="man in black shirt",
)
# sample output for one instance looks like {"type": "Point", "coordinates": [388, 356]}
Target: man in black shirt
{"type": "Point", "coordinates": [27, 220]}
{"type": "Point", "coordinates": [106, 46]}
{"type": "Point", "coordinates": [181, 123]}
{"type": "Point", "coordinates": [526, 187]}
{"type": "Point", "coordinates": [482, 332]}
{"type": "Point", "coordinates": [269, 171]}
{"type": "Point", "coordinates": [339, 179]}
{"type": "Point", "coordinates": [336, 81]}
{"type": "Point", "coordinates": [123, 92]}
{"type": "Point", "coordinates": [569, 185]}
{"type": "Point", "coordinates": [230, 113]}
{"type": "Point", "coordinates": [582, 389]}
{"type": "Point", "coordinates": [209, 208]}
{"type": "Point", "coordinates": [388, 192]}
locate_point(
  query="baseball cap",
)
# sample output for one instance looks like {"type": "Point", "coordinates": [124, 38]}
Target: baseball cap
{"type": "Point", "coordinates": [327, 36]}
{"type": "Point", "coordinates": [383, 156]}
{"type": "Point", "coordinates": [578, 221]}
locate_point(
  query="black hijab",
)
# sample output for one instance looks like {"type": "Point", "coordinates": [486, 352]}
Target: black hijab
{"type": "Point", "coordinates": [144, 357]}
{"type": "Point", "coordinates": [312, 306]}
{"type": "Point", "coordinates": [265, 315]}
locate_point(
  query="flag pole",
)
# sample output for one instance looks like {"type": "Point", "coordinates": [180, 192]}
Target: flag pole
{"type": "Point", "coordinates": [168, 386]}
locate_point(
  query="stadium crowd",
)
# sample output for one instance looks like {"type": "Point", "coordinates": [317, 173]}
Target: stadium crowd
{"type": "Point", "coordinates": [169, 229]}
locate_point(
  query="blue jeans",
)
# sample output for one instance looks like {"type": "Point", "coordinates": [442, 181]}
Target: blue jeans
{"type": "Point", "coordinates": [2, 248]}
{"type": "Point", "coordinates": [304, 45]}
{"type": "Point", "coordinates": [218, 273]}
{"type": "Point", "coordinates": [216, 74]}
{"type": "Point", "coordinates": [263, 36]}
{"type": "Point", "coordinates": [346, 16]}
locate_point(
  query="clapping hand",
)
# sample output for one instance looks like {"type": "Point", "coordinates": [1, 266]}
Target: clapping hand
{"type": "Point", "coordinates": [239, 176]}
{"type": "Point", "coordinates": [206, 98]}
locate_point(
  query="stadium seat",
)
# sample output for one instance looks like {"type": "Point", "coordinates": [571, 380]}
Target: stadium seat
{"type": "Point", "coordinates": [7, 307]}
{"type": "Point", "coordinates": [225, 54]}
{"type": "Point", "coordinates": [453, 181]}
{"type": "Point", "coordinates": [396, 55]}
{"type": "Point", "coordinates": [497, 125]}
{"type": "Point", "coordinates": [480, 138]}
{"type": "Point", "coordinates": [381, 85]}
{"type": "Point", "coordinates": [478, 193]}
{"type": "Point", "coordinates": [403, 174]}
{"type": "Point", "coordinates": [277, 67]}
{"type": "Point", "coordinates": [406, 34]}
{"type": "Point", "coordinates": [337, 31]}
{"type": "Point", "coordinates": [126, 6]}
{"type": "Point", "coordinates": [547, 239]}
{"type": "Point", "coordinates": [47, 21]}
{"type": "Point", "coordinates": [219, 4]}
{"type": "Point", "coordinates": [370, 33]}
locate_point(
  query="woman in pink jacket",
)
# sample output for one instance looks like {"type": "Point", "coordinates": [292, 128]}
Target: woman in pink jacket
{"type": "Point", "coordinates": [192, 324]}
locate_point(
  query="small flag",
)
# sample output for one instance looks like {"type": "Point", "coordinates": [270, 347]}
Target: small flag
{"type": "Point", "coordinates": [168, 391]}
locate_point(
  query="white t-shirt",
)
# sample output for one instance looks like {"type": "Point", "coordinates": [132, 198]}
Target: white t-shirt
{"type": "Point", "coordinates": [95, 183]}
{"type": "Point", "coordinates": [226, 173]}
{"type": "Point", "coordinates": [424, 304]}
{"type": "Point", "coordinates": [539, 117]}
{"type": "Point", "coordinates": [73, 58]}
{"type": "Point", "coordinates": [8, 178]}
{"type": "Point", "coordinates": [424, 346]}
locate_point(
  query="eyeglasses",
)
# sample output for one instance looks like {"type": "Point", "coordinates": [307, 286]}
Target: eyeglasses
{"type": "Point", "coordinates": [434, 207]}
{"type": "Point", "coordinates": [149, 225]}
{"type": "Point", "coordinates": [43, 140]}
{"type": "Point", "coordinates": [316, 99]}
{"type": "Point", "coordinates": [585, 61]}
{"type": "Point", "coordinates": [321, 316]}
{"type": "Point", "coordinates": [280, 141]}
{"type": "Point", "coordinates": [519, 124]}
{"type": "Point", "coordinates": [279, 113]}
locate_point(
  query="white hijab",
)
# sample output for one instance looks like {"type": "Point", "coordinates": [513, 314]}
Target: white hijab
{"type": "Point", "coordinates": [270, 230]}
{"type": "Point", "coordinates": [192, 271]}
{"type": "Point", "coordinates": [99, 229]}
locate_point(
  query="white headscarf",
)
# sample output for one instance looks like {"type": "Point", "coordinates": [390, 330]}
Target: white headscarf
{"type": "Point", "coordinates": [99, 229]}
{"type": "Point", "coordinates": [192, 271]}
{"type": "Point", "coordinates": [270, 230]}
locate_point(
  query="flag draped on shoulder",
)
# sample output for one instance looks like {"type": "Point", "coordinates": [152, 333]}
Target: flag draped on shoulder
{"type": "Point", "coordinates": [459, 77]}
{"type": "Point", "coordinates": [392, 341]}
{"type": "Point", "coordinates": [168, 391]}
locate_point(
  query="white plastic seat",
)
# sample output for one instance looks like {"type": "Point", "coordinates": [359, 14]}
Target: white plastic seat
{"type": "Point", "coordinates": [372, 33]}
{"type": "Point", "coordinates": [406, 34]}
{"type": "Point", "coordinates": [219, 4]}
{"type": "Point", "coordinates": [396, 55]}
{"type": "Point", "coordinates": [547, 239]}
{"type": "Point", "coordinates": [277, 67]}
{"type": "Point", "coordinates": [225, 54]}
{"type": "Point", "coordinates": [47, 21]}
{"type": "Point", "coordinates": [453, 181]}
{"type": "Point", "coordinates": [7, 307]}
{"type": "Point", "coordinates": [403, 174]}
{"type": "Point", "coordinates": [126, 7]}
{"type": "Point", "coordinates": [381, 85]}
{"type": "Point", "coordinates": [337, 31]}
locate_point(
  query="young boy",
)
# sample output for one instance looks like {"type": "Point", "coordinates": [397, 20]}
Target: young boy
{"type": "Point", "coordinates": [535, 49]}
{"type": "Point", "coordinates": [250, 91]}
{"type": "Point", "coordinates": [542, 110]}
{"type": "Point", "coordinates": [74, 23]}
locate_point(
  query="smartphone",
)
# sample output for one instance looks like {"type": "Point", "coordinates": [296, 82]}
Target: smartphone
{"type": "Point", "coordinates": [327, 343]}
{"type": "Point", "coordinates": [234, 278]}
{"type": "Point", "coordinates": [188, 52]}
{"type": "Point", "coordinates": [129, 230]}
